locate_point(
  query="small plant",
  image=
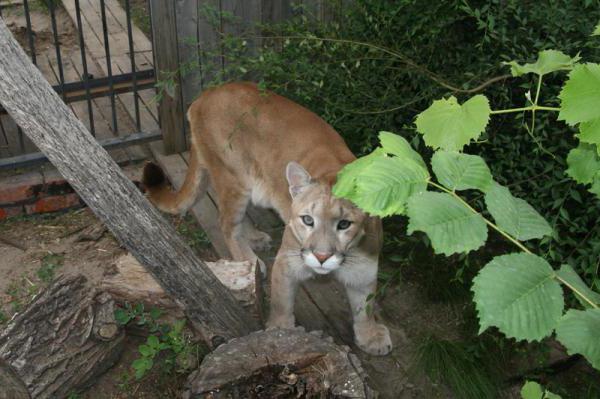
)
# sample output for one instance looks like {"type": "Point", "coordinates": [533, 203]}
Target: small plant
{"type": "Point", "coordinates": [451, 363]}
{"type": "Point", "coordinates": [194, 235]}
{"type": "Point", "coordinates": [50, 263]}
{"type": "Point", "coordinates": [3, 317]}
{"type": "Point", "coordinates": [167, 343]}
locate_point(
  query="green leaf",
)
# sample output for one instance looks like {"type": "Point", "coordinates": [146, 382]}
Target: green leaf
{"type": "Point", "coordinates": [146, 351]}
{"type": "Point", "coordinates": [153, 341]}
{"type": "Point", "coordinates": [583, 163]}
{"type": "Point", "coordinates": [548, 61]}
{"type": "Point", "coordinates": [596, 31]}
{"type": "Point", "coordinates": [514, 215]}
{"type": "Point", "coordinates": [122, 317]}
{"type": "Point", "coordinates": [580, 95]}
{"type": "Point", "coordinates": [589, 132]}
{"type": "Point", "coordinates": [518, 294]}
{"type": "Point", "coordinates": [572, 279]}
{"type": "Point", "coordinates": [397, 145]}
{"type": "Point", "coordinates": [448, 125]}
{"type": "Point", "coordinates": [579, 332]}
{"type": "Point", "coordinates": [532, 390]}
{"type": "Point", "coordinates": [345, 185]}
{"type": "Point", "coordinates": [384, 186]}
{"type": "Point", "coordinates": [457, 171]}
{"type": "Point", "coordinates": [141, 366]}
{"type": "Point", "coordinates": [595, 189]}
{"type": "Point", "coordinates": [451, 227]}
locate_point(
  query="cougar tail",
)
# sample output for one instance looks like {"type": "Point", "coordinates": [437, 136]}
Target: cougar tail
{"type": "Point", "coordinates": [167, 200]}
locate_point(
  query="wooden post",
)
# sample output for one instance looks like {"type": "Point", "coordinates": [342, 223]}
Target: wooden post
{"type": "Point", "coordinates": [171, 110]}
{"type": "Point", "coordinates": [51, 125]}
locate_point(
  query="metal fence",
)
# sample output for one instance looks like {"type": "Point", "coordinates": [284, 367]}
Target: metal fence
{"type": "Point", "coordinates": [89, 86]}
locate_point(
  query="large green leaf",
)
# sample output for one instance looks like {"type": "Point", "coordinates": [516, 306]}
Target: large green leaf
{"type": "Point", "coordinates": [451, 227]}
{"type": "Point", "coordinates": [583, 163]}
{"type": "Point", "coordinates": [580, 95]}
{"type": "Point", "coordinates": [345, 185]}
{"type": "Point", "coordinates": [514, 215]}
{"type": "Point", "coordinates": [579, 332]}
{"type": "Point", "coordinates": [589, 132]}
{"type": "Point", "coordinates": [397, 145]}
{"type": "Point", "coordinates": [457, 171]}
{"type": "Point", "coordinates": [548, 61]}
{"type": "Point", "coordinates": [382, 184]}
{"type": "Point", "coordinates": [570, 278]}
{"type": "Point", "coordinates": [448, 125]}
{"type": "Point", "coordinates": [518, 294]}
{"type": "Point", "coordinates": [596, 30]}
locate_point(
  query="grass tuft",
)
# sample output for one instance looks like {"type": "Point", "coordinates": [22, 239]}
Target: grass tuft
{"type": "Point", "coordinates": [451, 364]}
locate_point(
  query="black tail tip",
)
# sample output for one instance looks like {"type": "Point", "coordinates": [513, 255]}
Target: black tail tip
{"type": "Point", "coordinates": [153, 175]}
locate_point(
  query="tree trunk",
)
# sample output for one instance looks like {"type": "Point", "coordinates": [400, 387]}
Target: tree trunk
{"type": "Point", "coordinates": [53, 128]}
{"type": "Point", "coordinates": [64, 339]}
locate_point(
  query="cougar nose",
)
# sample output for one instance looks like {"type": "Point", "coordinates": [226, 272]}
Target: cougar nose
{"type": "Point", "coordinates": [322, 256]}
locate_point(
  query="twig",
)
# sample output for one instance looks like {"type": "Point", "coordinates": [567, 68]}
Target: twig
{"type": "Point", "coordinates": [13, 243]}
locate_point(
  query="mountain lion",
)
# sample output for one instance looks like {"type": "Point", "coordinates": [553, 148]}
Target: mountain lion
{"type": "Point", "coordinates": [251, 142]}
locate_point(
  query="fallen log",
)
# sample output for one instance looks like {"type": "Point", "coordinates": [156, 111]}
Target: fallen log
{"type": "Point", "coordinates": [117, 202]}
{"type": "Point", "coordinates": [12, 386]}
{"type": "Point", "coordinates": [279, 363]}
{"type": "Point", "coordinates": [62, 341]}
{"type": "Point", "coordinates": [128, 281]}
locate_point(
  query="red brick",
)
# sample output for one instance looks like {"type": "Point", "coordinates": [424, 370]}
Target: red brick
{"type": "Point", "coordinates": [53, 203]}
{"type": "Point", "coordinates": [9, 211]}
{"type": "Point", "coordinates": [19, 188]}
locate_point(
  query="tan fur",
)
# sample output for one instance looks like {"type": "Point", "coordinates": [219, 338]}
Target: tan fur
{"type": "Point", "coordinates": [246, 140]}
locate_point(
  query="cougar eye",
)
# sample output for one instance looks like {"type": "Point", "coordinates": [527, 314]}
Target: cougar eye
{"type": "Point", "coordinates": [308, 220]}
{"type": "Point", "coordinates": [343, 224]}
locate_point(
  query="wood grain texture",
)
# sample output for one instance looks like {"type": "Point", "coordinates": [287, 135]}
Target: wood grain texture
{"type": "Point", "coordinates": [12, 386]}
{"type": "Point", "coordinates": [63, 340]}
{"type": "Point", "coordinates": [116, 201]}
{"type": "Point", "coordinates": [166, 62]}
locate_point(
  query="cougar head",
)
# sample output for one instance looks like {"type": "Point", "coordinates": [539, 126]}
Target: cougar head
{"type": "Point", "coordinates": [326, 227]}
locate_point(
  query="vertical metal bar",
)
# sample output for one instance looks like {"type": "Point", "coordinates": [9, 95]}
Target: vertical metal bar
{"type": "Point", "coordinates": [133, 68]}
{"type": "Point", "coordinates": [61, 75]}
{"type": "Point", "coordinates": [29, 31]}
{"type": "Point", "coordinates": [86, 75]}
{"type": "Point", "coordinates": [108, 66]}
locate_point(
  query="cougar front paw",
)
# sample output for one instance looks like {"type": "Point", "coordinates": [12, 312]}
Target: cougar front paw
{"type": "Point", "coordinates": [373, 338]}
{"type": "Point", "coordinates": [281, 322]}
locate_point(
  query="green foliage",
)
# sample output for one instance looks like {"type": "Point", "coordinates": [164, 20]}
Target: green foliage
{"type": "Point", "coordinates": [533, 390]}
{"type": "Point", "coordinates": [457, 171]}
{"type": "Point", "coordinates": [584, 163]}
{"type": "Point", "coordinates": [569, 277]}
{"type": "Point", "coordinates": [448, 125]}
{"type": "Point", "coordinates": [454, 365]}
{"type": "Point", "coordinates": [580, 95]}
{"type": "Point", "coordinates": [381, 183]}
{"type": "Point", "coordinates": [578, 331]}
{"type": "Point", "coordinates": [512, 288]}
{"type": "Point", "coordinates": [514, 215]}
{"type": "Point", "coordinates": [548, 61]}
{"type": "Point", "coordinates": [50, 263]}
{"type": "Point", "coordinates": [167, 343]}
{"type": "Point", "coordinates": [450, 226]}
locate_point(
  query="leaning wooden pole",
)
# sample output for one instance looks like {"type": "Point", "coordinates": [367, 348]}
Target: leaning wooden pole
{"type": "Point", "coordinates": [49, 123]}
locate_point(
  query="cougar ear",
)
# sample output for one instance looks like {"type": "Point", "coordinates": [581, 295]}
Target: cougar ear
{"type": "Point", "coordinates": [297, 177]}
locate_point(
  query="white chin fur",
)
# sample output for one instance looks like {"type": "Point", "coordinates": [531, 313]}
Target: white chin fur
{"type": "Point", "coordinates": [330, 264]}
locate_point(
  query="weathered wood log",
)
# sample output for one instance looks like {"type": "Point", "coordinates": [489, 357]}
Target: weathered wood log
{"type": "Point", "coordinates": [129, 282]}
{"type": "Point", "coordinates": [51, 125]}
{"type": "Point", "coordinates": [11, 385]}
{"type": "Point", "coordinates": [279, 363]}
{"type": "Point", "coordinates": [63, 340]}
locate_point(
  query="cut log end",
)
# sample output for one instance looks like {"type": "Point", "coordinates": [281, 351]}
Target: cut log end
{"type": "Point", "coordinates": [279, 364]}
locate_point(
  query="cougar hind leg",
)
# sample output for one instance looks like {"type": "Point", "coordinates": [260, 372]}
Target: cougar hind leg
{"type": "Point", "coordinates": [233, 200]}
